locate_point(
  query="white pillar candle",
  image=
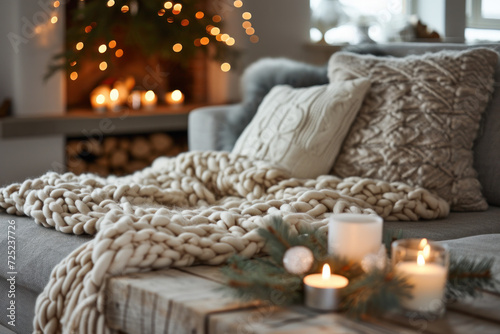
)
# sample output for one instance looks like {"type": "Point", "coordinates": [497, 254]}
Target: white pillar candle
{"type": "Point", "coordinates": [322, 291]}
{"type": "Point", "coordinates": [354, 236]}
{"type": "Point", "coordinates": [428, 280]}
{"type": "Point", "coordinates": [425, 266]}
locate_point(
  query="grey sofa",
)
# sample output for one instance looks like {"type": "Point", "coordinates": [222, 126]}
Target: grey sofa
{"type": "Point", "coordinates": [39, 249]}
{"type": "Point", "coordinates": [208, 131]}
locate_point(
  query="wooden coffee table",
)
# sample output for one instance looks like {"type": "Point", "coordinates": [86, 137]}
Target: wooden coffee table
{"type": "Point", "coordinates": [191, 300]}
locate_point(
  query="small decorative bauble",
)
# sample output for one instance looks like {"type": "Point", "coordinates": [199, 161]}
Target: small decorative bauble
{"type": "Point", "coordinates": [298, 260]}
{"type": "Point", "coordinates": [375, 261]}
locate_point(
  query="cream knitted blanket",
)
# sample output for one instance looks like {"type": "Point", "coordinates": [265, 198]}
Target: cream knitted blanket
{"type": "Point", "coordinates": [199, 207]}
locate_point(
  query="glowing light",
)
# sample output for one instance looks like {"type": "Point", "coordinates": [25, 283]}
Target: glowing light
{"type": "Point", "coordinates": [114, 95]}
{"type": "Point", "coordinates": [209, 27]}
{"type": "Point", "coordinates": [103, 66]}
{"type": "Point", "coordinates": [119, 53]}
{"type": "Point", "coordinates": [150, 95]}
{"type": "Point", "coordinates": [219, 37]}
{"type": "Point", "coordinates": [254, 39]}
{"type": "Point", "coordinates": [204, 41]}
{"type": "Point", "coordinates": [225, 67]}
{"type": "Point", "coordinates": [246, 16]}
{"type": "Point", "coordinates": [176, 95]}
{"type": "Point", "coordinates": [111, 3]}
{"type": "Point", "coordinates": [112, 44]}
{"type": "Point", "coordinates": [88, 29]}
{"type": "Point", "coordinates": [216, 18]}
{"type": "Point", "coordinates": [161, 12]}
{"type": "Point", "coordinates": [327, 272]}
{"type": "Point", "coordinates": [125, 9]}
{"type": "Point", "coordinates": [427, 251]}
{"type": "Point", "coordinates": [38, 29]}
{"type": "Point", "coordinates": [230, 41]}
{"type": "Point", "coordinates": [246, 24]}
{"type": "Point", "coordinates": [250, 31]}
{"type": "Point", "coordinates": [100, 99]}
{"type": "Point", "coordinates": [224, 37]}
{"type": "Point", "coordinates": [54, 20]}
{"type": "Point", "coordinates": [215, 31]}
{"type": "Point", "coordinates": [238, 3]}
{"type": "Point", "coordinates": [197, 42]}
{"type": "Point", "coordinates": [102, 48]}
{"type": "Point", "coordinates": [199, 15]}
{"type": "Point", "coordinates": [73, 76]}
{"type": "Point", "coordinates": [177, 47]}
{"type": "Point", "coordinates": [170, 20]}
{"type": "Point", "coordinates": [420, 259]}
{"type": "Point", "coordinates": [168, 5]}
{"type": "Point", "coordinates": [73, 63]}
{"type": "Point", "coordinates": [79, 46]}
{"type": "Point", "coordinates": [185, 22]}
{"type": "Point", "coordinates": [56, 4]}
{"type": "Point", "coordinates": [177, 9]}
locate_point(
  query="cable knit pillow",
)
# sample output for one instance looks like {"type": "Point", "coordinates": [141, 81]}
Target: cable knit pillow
{"type": "Point", "coordinates": [419, 120]}
{"type": "Point", "coordinates": [302, 129]}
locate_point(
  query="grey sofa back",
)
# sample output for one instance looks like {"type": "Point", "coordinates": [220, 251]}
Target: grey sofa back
{"type": "Point", "coordinates": [486, 158]}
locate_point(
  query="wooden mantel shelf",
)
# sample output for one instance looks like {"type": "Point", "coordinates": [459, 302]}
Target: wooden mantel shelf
{"type": "Point", "coordinates": [85, 122]}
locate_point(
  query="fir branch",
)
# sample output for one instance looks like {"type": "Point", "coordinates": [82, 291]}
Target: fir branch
{"type": "Point", "coordinates": [466, 277]}
{"type": "Point", "coordinates": [374, 293]}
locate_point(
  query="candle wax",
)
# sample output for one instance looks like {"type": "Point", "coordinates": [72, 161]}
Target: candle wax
{"type": "Point", "coordinates": [428, 282]}
{"type": "Point", "coordinates": [332, 282]}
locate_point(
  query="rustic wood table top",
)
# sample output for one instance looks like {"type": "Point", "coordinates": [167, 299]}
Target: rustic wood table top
{"type": "Point", "coordinates": [191, 300]}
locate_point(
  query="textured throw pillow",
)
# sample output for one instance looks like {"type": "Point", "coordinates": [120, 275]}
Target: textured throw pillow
{"type": "Point", "coordinates": [419, 120]}
{"type": "Point", "coordinates": [302, 129]}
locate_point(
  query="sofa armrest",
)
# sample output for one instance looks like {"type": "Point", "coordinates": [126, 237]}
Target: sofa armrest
{"type": "Point", "coordinates": [205, 126]}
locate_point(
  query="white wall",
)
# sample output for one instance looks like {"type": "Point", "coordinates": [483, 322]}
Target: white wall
{"type": "Point", "coordinates": [24, 56]}
{"type": "Point", "coordinates": [447, 17]}
{"type": "Point", "coordinates": [283, 30]}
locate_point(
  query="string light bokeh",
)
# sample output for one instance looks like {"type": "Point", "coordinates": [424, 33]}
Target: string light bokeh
{"type": "Point", "coordinates": [214, 30]}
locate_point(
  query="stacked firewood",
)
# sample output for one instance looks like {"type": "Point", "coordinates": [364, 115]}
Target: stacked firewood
{"type": "Point", "coordinates": [119, 155]}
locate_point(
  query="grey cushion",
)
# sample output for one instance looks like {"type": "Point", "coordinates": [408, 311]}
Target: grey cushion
{"type": "Point", "coordinates": [488, 139]}
{"type": "Point", "coordinates": [258, 80]}
{"type": "Point", "coordinates": [456, 225]}
{"type": "Point", "coordinates": [38, 250]}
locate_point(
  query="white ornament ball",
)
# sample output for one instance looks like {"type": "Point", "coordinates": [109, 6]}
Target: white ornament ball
{"type": "Point", "coordinates": [298, 260]}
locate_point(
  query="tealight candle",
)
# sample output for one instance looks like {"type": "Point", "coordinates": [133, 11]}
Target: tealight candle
{"type": "Point", "coordinates": [134, 100]}
{"type": "Point", "coordinates": [114, 100]}
{"type": "Point", "coordinates": [149, 99]}
{"type": "Point", "coordinates": [174, 98]}
{"type": "Point", "coordinates": [323, 291]}
{"type": "Point", "coordinates": [99, 98]}
{"type": "Point", "coordinates": [425, 266]}
{"type": "Point", "coordinates": [354, 236]}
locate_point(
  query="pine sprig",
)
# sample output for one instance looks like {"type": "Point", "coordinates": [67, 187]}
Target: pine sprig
{"type": "Point", "coordinates": [375, 293]}
{"type": "Point", "coordinates": [263, 279]}
{"type": "Point", "coordinates": [467, 277]}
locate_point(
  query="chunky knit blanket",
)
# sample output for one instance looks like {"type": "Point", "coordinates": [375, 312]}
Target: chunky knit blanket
{"type": "Point", "coordinates": [199, 207]}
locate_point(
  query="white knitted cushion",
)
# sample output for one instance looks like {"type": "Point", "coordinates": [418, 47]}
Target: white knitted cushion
{"type": "Point", "coordinates": [419, 120]}
{"type": "Point", "coordinates": [302, 129]}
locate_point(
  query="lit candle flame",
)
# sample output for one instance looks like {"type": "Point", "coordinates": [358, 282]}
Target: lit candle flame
{"type": "Point", "coordinates": [114, 94]}
{"type": "Point", "coordinates": [420, 259]}
{"type": "Point", "coordinates": [176, 95]}
{"type": "Point", "coordinates": [423, 243]}
{"type": "Point", "coordinates": [150, 95]}
{"type": "Point", "coordinates": [326, 271]}
{"type": "Point", "coordinates": [427, 251]}
{"type": "Point", "coordinates": [100, 99]}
